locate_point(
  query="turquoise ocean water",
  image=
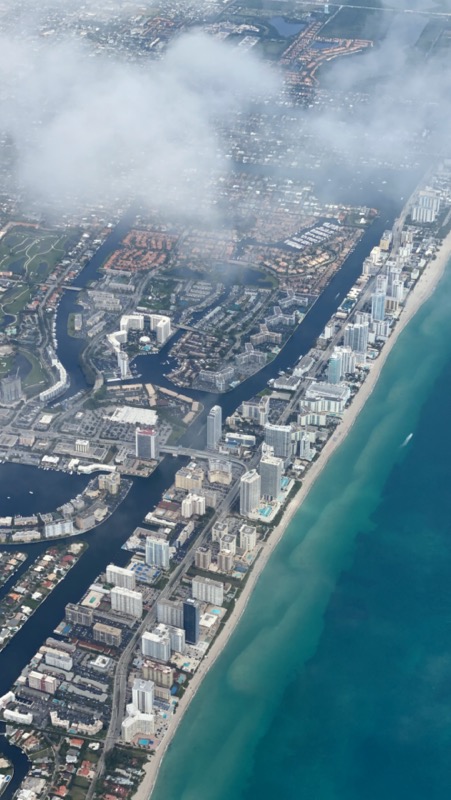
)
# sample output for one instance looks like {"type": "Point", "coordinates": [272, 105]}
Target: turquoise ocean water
{"type": "Point", "coordinates": [336, 685]}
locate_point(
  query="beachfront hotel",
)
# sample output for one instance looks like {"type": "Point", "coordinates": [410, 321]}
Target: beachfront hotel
{"type": "Point", "coordinates": [250, 492]}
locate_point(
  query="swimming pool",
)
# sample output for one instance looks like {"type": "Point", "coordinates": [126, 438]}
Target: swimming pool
{"type": "Point", "coordinates": [264, 512]}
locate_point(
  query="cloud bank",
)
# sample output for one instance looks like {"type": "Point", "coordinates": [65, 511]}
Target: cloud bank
{"type": "Point", "coordinates": [89, 130]}
{"type": "Point", "coordinates": [396, 101]}
{"type": "Point", "coordinates": [86, 128]}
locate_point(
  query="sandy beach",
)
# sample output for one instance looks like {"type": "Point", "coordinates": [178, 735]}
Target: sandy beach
{"type": "Point", "coordinates": [422, 291]}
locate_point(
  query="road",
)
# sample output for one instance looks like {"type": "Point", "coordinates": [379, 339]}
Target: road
{"type": "Point", "coordinates": [193, 453]}
{"type": "Point", "coordinates": [119, 691]}
{"type": "Point", "coordinates": [396, 9]}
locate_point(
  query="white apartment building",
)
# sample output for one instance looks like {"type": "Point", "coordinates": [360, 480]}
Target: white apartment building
{"type": "Point", "coordinates": [143, 695]}
{"type": "Point", "coordinates": [63, 527]}
{"type": "Point", "coordinates": [271, 471]}
{"type": "Point", "coordinates": [14, 715]}
{"type": "Point", "coordinates": [218, 530]}
{"type": "Point", "coordinates": [42, 682]}
{"type": "Point", "coordinates": [279, 437]}
{"type": "Point", "coordinates": [125, 601]}
{"type": "Point", "coordinates": [59, 659]}
{"type": "Point", "coordinates": [228, 542]}
{"type": "Point", "coordinates": [208, 590]}
{"type": "Point", "coordinates": [250, 492]}
{"type": "Point", "coordinates": [119, 576]}
{"type": "Point", "coordinates": [176, 636]}
{"type": "Point", "coordinates": [193, 505]}
{"type": "Point", "coordinates": [110, 482]}
{"type": "Point", "coordinates": [214, 427]}
{"type": "Point", "coordinates": [157, 552]}
{"type": "Point", "coordinates": [156, 645]}
{"type": "Point", "coordinates": [248, 538]}
{"type": "Point", "coordinates": [137, 723]}
{"type": "Point", "coordinates": [220, 471]}
{"type": "Point", "coordinates": [189, 477]}
{"type": "Point", "coordinates": [256, 409]}
{"type": "Point", "coordinates": [82, 446]}
{"type": "Point", "coordinates": [327, 397]}
{"type": "Point", "coordinates": [170, 612]}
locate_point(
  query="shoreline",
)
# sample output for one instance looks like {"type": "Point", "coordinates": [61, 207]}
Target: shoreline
{"type": "Point", "coordinates": [424, 288]}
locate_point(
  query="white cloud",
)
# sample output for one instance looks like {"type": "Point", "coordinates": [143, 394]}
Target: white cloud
{"type": "Point", "coordinates": [89, 128]}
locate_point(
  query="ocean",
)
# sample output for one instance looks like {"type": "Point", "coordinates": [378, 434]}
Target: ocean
{"type": "Point", "coordinates": [336, 684]}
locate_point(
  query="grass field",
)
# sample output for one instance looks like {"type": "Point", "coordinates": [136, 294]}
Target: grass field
{"type": "Point", "coordinates": [271, 49]}
{"type": "Point", "coordinates": [6, 365]}
{"type": "Point", "coordinates": [178, 428]}
{"type": "Point", "coordinates": [77, 793]}
{"type": "Point", "coordinates": [436, 38]}
{"type": "Point", "coordinates": [16, 299]}
{"type": "Point", "coordinates": [31, 253]}
{"type": "Point", "coordinates": [36, 374]}
{"type": "Point", "coordinates": [358, 23]}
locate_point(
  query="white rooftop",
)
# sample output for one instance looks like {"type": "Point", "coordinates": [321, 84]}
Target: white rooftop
{"type": "Point", "coordinates": [134, 416]}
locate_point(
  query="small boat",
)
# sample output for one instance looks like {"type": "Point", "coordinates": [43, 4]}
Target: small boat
{"type": "Point", "coordinates": [407, 440]}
